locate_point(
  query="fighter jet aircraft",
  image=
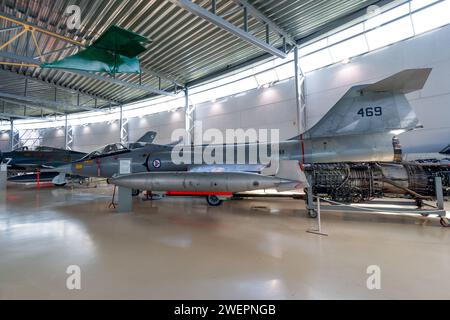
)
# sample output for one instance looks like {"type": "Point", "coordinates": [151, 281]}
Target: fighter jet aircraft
{"type": "Point", "coordinates": [45, 159]}
{"type": "Point", "coordinates": [361, 127]}
{"type": "Point", "coordinates": [26, 160]}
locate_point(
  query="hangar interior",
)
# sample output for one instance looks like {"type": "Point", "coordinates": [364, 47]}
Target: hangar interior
{"type": "Point", "coordinates": [226, 64]}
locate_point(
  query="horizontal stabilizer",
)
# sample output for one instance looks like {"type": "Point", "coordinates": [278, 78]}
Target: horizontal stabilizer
{"type": "Point", "coordinates": [405, 81]}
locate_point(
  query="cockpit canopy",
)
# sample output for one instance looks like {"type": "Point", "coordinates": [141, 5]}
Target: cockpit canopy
{"type": "Point", "coordinates": [107, 150]}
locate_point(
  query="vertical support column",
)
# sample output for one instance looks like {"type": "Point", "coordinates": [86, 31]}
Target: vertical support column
{"type": "Point", "coordinates": [68, 134]}
{"type": "Point", "coordinates": [189, 116]}
{"type": "Point", "coordinates": [11, 136]}
{"type": "Point", "coordinates": [123, 127]}
{"type": "Point", "coordinates": [14, 139]}
{"type": "Point", "coordinates": [300, 94]}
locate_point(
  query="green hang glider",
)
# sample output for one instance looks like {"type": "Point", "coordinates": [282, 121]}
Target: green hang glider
{"type": "Point", "coordinates": [114, 52]}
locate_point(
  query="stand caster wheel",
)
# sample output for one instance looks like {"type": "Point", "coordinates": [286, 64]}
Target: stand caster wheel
{"type": "Point", "coordinates": [312, 214]}
{"type": "Point", "coordinates": [445, 223]}
{"type": "Point", "coordinates": [214, 201]}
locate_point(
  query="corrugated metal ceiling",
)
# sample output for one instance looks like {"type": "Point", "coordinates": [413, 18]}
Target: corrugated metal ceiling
{"type": "Point", "coordinates": [185, 47]}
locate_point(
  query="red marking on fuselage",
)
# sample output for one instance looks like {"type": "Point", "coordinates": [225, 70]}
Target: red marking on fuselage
{"type": "Point", "coordinates": [196, 194]}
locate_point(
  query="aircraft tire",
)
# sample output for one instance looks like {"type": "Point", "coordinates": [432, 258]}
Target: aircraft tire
{"type": "Point", "coordinates": [312, 214]}
{"type": "Point", "coordinates": [60, 185]}
{"type": "Point", "coordinates": [135, 192]}
{"type": "Point", "coordinates": [214, 201]}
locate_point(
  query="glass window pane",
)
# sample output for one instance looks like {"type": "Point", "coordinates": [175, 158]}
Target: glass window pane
{"type": "Point", "coordinates": [349, 48]}
{"type": "Point", "coordinates": [316, 60]}
{"type": "Point", "coordinates": [346, 34]}
{"type": "Point", "coordinates": [286, 71]}
{"type": "Point", "coordinates": [266, 77]}
{"type": "Point", "coordinates": [432, 17]}
{"type": "Point", "coordinates": [387, 16]}
{"type": "Point", "coordinates": [417, 4]}
{"type": "Point", "coordinates": [313, 47]}
{"type": "Point", "coordinates": [390, 33]}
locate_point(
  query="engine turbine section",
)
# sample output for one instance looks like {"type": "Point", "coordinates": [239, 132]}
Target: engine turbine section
{"type": "Point", "coordinates": [359, 182]}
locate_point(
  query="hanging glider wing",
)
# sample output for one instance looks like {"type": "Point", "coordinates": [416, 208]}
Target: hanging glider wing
{"type": "Point", "coordinates": [115, 51]}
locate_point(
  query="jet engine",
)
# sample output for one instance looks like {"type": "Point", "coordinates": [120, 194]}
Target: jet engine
{"type": "Point", "coordinates": [353, 183]}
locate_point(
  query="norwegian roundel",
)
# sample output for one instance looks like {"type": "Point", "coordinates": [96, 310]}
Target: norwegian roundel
{"type": "Point", "coordinates": [157, 163]}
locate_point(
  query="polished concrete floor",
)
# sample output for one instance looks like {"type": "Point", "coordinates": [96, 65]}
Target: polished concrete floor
{"type": "Point", "coordinates": [179, 248]}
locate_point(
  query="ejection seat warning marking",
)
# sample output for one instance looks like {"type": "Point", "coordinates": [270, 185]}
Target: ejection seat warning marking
{"type": "Point", "coordinates": [125, 166]}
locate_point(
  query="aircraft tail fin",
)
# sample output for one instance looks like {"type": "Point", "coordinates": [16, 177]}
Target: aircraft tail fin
{"type": "Point", "coordinates": [149, 137]}
{"type": "Point", "coordinates": [373, 108]}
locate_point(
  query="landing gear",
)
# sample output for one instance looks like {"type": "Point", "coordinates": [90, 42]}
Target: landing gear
{"type": "Point", "coordinates": [135, 192]}
{"type": "Point", "coordinates": [309, 201]}
{"type": "Point", "coordinates": [60, 185]}
{"type": "Point", "coordinates": [214, 201]}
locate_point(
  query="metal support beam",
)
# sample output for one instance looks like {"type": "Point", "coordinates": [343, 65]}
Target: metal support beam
{"type": "Point", "coordinates": [300, 94]}
{"type": "Point", "coordinates": [224, 24]}
{"type": "Point", "coordinates": [14, 141]}
{"type": "Point", "coordinates": [263, 18]}
{"type": "Point", "coordinates": [34, 27]}
{"type": "Point", "coordinates": [121, 83]}
{"type": "Point", "coordinates": [11, 136]}
{"type": "Point", "coordinates": [10, 28]}
{"type": "Point", "coordinates": [129, 85]}
{"type": "Point", "coordinates": [40, 102]}
{"type": "Point", "coordinates": [6, 115]}
{"type": "Point", "coordinates": [30, 138]}
{"type": "Point", "coordinates": [162, 76]}
{"type": "Point", "coordinates": [68, 134]}
{"type": "Point", "coordinates": [29, 60]}
{"type": "Point", "coordinates": [56, 51]}
{"type": "Point", "coordinates": [123, 125]}
{"type": "Point", "coordinates": [189, 111]}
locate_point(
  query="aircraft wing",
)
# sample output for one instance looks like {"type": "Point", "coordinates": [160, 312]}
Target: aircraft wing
{"type": "Point", "coordinates": [115, 51]}
{"type": "Point", "coordinates": [121, 41]}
